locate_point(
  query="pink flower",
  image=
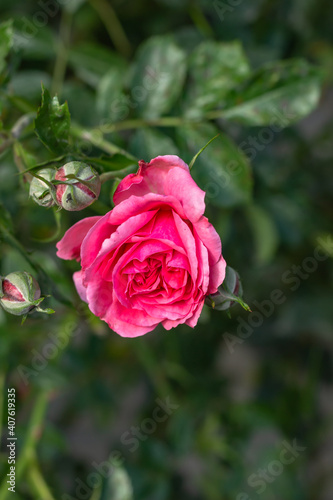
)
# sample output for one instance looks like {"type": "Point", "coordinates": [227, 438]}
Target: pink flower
{"type": "Point", "coordinates": [154, 257]}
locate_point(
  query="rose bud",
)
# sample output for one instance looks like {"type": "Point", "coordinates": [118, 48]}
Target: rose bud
{"type": "Point", "coordinates": [228, 294]}
{"type": "Point", "coordinates": [19, 293]}
{"type": "Point", "coordinates": [82, 186]}
{"type": "Point", "coordinates": [40, 191]}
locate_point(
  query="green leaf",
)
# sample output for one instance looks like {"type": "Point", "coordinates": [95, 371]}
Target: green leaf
{"type": "Point", "coordinates": [110, 163]}
{"type": "Point", "coordinates": [52, 124]}
{"type": "Point", "coordinates": [215, 68]}
{"type": "Point", "coordinates": [34, 43]}
{"type": "Point", "coordinates": [91, 62]}
{"type": "Point", "coordinates": [266, 237]}
{"type": "Point", "coordinates": [157, 76]}
{"type": "Point", "coordinates": [111, 101]}
{"type": "Point", "coordinates": [147, 143]}
{"type": "Point", "coordinates": [6, 40]}
{"type": "Point", "coordinates": [26, 83]}
{"type": "Point", "coordinates": [24, 158]}
{"type": "Point", "coordinates": [47, 310]}
{"type": "Point", "coordinates": [222, 170]}
{"type": "Point", "coordinates": [278, 94]}
{"type": "Point", "coordinates": [118, 486]}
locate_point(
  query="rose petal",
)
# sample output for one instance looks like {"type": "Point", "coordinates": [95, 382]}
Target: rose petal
{"type": "Point", "coordinates": [121, 234]}
{"type": "Point", "coordinates": [70, 245]}
{"type": "Point", "coordinates": [217, 275]}
{"type": "Point", "coordinates": [81, 289]}
{"type": "Point", "coordinates": [94, 239]}
{"type": "Point", "coordinates": [149, 178]}
{"type": "Point", "coordinates": [135, 205]}
{"type": "Point", "coordinates": [168, 176]}
{"type": "Point", "coordinates": [188, 241]}
{"type": "Point", "coordinates": [208, 235]}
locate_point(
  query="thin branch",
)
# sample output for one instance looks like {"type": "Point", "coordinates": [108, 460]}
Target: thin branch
{"type": "Point", "coordinates": [113, 26]}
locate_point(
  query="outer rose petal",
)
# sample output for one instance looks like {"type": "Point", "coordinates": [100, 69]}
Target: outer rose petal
{"type": "Point", "coordinates": [70, 245]}
{"type": "Point", "coordinates": [148, 179]}
{"type": "Point", "coordinates": [217, 274]}
{"type": "Point", "coordinates": [94, 239]}
{"type": "Point", "coordinates": [81, 289]}
{"type": "Point", "coordinates": [168, 176]}
{"type": "Point", "coordinates": [212, 242]}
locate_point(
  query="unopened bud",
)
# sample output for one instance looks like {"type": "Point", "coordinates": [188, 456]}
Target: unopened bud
{"type": "Point", "coordinates": [81, 188]}
{"type": "Point", "coordinates": [229, 293]}
{"type": "Point", "coordinates": [19, 293]}
{"type": "Point", "coordinates": [40, 191]}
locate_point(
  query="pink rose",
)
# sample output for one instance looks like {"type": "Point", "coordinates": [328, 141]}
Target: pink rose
{"type": "Point", "coordinates": [154, 257]}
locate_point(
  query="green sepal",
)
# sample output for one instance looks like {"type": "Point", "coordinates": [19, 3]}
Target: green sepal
{"type": "Point", "coordinates": [201, 150]}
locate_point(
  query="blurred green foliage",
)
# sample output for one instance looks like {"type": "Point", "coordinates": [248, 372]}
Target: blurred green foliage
{"type": "Point", "coordinates": [147, 78]}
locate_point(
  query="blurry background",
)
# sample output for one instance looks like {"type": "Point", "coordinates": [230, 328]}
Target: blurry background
{"type": "Point", "coordinates": [240, 400]}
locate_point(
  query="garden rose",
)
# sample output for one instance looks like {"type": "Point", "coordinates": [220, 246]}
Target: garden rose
{"type": "Point", "coordinates": [154, 257]}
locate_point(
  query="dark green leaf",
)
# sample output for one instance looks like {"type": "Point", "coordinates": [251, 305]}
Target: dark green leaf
{"type": "Point", "coordinates": [5, 219]}
{"type": "Point", "coordinates": [6, 40]}
{"type": "Point", "coordinates": [222, 170]}
{"type": "Point", "coordinates": [110, 163]}
{"type": "Point", "coordinates": [52, 124]}
{"type": "Point", "coordinates": [215, 68]}
{"type": "Point", "coordinates": [34, 43]}
{"type": "Point", "coordinates": [157, 76]}
{"type": "Point", "coordinates": [278, 94]}
{"type": "Point", "coordinates": [91, 61]}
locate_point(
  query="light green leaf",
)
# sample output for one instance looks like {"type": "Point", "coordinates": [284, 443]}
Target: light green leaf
{"type": "Point", "coordinates": [222, 170]}
{"type": "Point", "coordinates": [118, 486]}
{"type": "Point", "coordinates": [6, 40]}
{"type": "Point", "coordinates": [157, 76]}
{"type": "Point", "coordinates": [25, 159]}
{"type": "Point", "coordinates": [111, 101]}
{"type": "Point", "coordinates": [52, 124]}
{"type": "Point", "coordinates": [147, 143]}
{"type": "Point", "coordinates": [278, 94]}
{"type": "Point", "coordinates": [215, 68]}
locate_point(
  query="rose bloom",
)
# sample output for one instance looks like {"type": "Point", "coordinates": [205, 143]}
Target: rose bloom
{"type": "Point", "coordinates": [154, 257]}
